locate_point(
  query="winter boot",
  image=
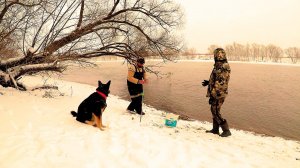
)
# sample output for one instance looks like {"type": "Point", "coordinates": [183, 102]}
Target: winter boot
{"type": "Point", "coordinates": [226, 132]}
{"type": "Point", "coordinates": [215, 129]}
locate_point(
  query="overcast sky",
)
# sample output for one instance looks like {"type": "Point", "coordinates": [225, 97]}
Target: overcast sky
{"type": "Point", "coordinates": [223, 22]}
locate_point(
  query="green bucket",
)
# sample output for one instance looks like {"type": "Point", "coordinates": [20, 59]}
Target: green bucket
{"type": "Point", "coordinates": [171, 122]}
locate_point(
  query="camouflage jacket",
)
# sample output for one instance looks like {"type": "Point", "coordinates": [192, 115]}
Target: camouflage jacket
{"type": "Point", "coordinates": [218, 81]}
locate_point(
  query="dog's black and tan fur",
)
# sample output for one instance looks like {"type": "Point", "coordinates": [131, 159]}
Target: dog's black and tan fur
{"type": "Point", "coordinates": [91, 109]}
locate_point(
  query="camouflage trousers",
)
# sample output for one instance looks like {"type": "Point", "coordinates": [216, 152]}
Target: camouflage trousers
{"type": "Point", "coordinates": [215, 107]}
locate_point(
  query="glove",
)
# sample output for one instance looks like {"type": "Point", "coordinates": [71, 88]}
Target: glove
{"type": "Point", "coordinates": [141, 82]}
{"type": "Point", "coordinates": [205, 82]}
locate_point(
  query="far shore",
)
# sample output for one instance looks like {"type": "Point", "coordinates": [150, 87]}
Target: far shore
{"type": "Point", "coordinates": [199, 60]}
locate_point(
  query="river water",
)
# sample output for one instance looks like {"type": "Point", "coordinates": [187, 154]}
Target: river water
{"type": "Point", "coordinates": [262, 98]}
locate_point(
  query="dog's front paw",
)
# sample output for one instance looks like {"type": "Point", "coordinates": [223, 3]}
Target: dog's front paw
{"type": "Point", "coordinates": [102, 129]}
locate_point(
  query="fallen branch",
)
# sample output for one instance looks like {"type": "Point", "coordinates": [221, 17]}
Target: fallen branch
{"type": "Point", "coordinates": [45, 87]}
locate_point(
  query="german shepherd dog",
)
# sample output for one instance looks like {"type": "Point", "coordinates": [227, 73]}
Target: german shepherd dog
{"type": "Point", "coordinates": [91, 109]}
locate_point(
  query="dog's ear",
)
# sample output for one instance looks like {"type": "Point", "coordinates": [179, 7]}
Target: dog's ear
{"type": "Point", "coordinates": [99, 83]}
{"type": "Point", "coordinates": [108, 83]}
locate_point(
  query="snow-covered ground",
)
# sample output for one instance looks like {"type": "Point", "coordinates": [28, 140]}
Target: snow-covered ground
{"type": "Point", "coordinates": [39, 131]}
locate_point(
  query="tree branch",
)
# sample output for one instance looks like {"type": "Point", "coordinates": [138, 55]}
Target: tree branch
{"type": "Point", "coordinates": [10, 62]}
{"type": "Point", "coordinates": [15, 2]}
{"type": "Point", "coordinates": [113, 8]}
{"type": "Point", "coordinates": [81, 14]}
{"type": "Point", "coordinates": [5, 9]}
{"type": "Point", "coordinates": [34, 68]}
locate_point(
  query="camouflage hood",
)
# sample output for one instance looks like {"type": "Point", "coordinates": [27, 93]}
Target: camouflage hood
{"type": "Point", "coordinates": [220, 55]}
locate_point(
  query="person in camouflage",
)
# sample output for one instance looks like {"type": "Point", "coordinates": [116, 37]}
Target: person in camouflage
{"type": "Point", "coordinates": [218, 90]}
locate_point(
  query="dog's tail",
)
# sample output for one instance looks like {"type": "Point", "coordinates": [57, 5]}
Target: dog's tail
{"type": "Point", "coordinates": [74, 114]}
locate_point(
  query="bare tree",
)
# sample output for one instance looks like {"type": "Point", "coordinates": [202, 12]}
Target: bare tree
{"type": "Point", "coordinates": [255, 51]}
{"type": "Point", "coordinates": [189, 53]}
{"type": "Point", "coordinates": [49, 32]}
{"type": "Point", "coordinates": [211, 49]}
{"type": "Point", "coordinates": [235, 51]}
{"type": "Point", "coordinates": [293, 53]}
{"type": "Point", "coordinates": [274, 53]}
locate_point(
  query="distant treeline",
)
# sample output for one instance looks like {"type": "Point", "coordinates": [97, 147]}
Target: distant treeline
{"type": "Point", "coordinates": [251, 52]}
{"type": "Point", "coordinates": [235, 52]}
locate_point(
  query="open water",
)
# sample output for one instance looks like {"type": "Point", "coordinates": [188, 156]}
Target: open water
{"type": "Point", "coordinates": [262, 98]}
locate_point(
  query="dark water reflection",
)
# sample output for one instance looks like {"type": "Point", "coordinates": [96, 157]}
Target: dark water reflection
{"type": "Point", "coordinates": [262, 98]}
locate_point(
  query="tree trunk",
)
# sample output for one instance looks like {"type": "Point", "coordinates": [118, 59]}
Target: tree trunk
{"type": "Point", "coordinates": [9, 77]}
